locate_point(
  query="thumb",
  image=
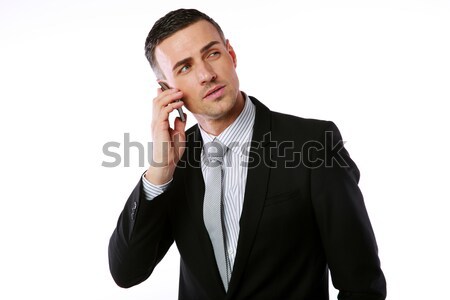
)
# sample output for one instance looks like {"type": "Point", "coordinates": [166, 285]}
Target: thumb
{"type": "Point", "coordinates": [180, 126]}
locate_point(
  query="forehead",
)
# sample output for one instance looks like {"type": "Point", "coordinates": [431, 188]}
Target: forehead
{"type": "Point", "coordinates": [186, 42]}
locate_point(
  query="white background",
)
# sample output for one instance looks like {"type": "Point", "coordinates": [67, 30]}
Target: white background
{"type": "Point", "coordinates": [73, 76]}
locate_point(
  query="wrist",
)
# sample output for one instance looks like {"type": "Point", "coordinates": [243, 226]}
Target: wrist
{"type": "Point", "coordinates": [158, 176]}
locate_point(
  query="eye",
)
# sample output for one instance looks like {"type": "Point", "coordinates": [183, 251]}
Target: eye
{"type": "Point", "coordinates": [214, 54]}
{"type": "Point", "coordinates": [184, 69]}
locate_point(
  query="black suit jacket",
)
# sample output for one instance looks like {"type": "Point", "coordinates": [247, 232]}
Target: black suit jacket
{"type": "Point", "coordinates": [303, 215]}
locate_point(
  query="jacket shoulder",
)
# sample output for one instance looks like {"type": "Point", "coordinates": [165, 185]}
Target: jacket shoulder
{"type": "Point", "coordinates": [290, 126]}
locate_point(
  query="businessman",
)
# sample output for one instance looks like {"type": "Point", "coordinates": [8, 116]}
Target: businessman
{"type": "Point", "coordinates": [261, 205]}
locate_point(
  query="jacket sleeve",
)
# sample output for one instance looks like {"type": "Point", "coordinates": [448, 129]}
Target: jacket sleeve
{"type": "Point", "coordinates": [141, 239]}
{"type": "Point", "coordinates": [343, 222]}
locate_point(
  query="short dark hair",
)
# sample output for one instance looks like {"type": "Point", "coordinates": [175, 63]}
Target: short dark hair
{"type": "Point", "coordinates": [168, 25]}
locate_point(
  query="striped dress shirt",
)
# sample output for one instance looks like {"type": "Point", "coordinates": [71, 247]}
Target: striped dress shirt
{"type": "Point", "coordinates": [237, 138]}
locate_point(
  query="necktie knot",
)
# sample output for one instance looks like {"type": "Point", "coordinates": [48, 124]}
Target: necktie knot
{"type": "Point", "coordinates": [215, 151]}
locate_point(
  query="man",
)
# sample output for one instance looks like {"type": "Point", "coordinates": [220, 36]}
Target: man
{"type": "Point", "coordinates": [268, 216]}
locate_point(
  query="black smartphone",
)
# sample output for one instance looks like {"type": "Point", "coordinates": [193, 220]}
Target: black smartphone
{"type": "Point", "coordinates": [164, 87]}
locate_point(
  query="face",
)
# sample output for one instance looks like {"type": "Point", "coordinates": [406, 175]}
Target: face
{"type": "Point", "coordinates": [196, 61]}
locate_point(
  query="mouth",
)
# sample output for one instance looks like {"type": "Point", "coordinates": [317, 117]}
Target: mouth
{"type": "Point", "coordinates": [214, 92]}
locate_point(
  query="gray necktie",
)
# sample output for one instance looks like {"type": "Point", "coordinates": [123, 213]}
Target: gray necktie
{"type": "Point", "coordinates": [213, 207]}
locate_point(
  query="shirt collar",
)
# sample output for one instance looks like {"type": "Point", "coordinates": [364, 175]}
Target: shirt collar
{"type": "Point", "coordinates": [238, 133]}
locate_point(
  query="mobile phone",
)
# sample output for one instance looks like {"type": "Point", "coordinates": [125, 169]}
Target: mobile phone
{"type": "Point", "coordinates": [164, 87]}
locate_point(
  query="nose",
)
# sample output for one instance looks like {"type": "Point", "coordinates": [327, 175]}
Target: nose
{"type": "Point", "coordinates": [205, 73]}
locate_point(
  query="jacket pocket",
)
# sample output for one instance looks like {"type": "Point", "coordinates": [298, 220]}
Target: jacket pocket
{"type": "Point", "coordinates": [281, 197]}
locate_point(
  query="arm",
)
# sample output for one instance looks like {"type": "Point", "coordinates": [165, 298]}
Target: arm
{"type": "Point", "coordinates": [143, 233]}
{"type": "Point", "coordinates": [141, 238]}
{"type": "Point", "coordinates": [344, 225]}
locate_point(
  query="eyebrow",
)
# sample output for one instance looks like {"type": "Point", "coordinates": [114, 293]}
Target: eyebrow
{"type": "Point", "coordinates": [203, 50]}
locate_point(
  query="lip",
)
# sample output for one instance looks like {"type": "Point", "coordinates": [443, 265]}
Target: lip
{"type": "Point", "coordinates": [214, 92]}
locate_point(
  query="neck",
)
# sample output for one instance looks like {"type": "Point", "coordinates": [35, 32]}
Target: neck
{"type": "Point", "coordinates": [217, 126]}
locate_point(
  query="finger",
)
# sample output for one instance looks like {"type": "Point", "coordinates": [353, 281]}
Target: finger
{"type": "Point", "coordinates": [163, 115]}
{"type": "Point", "coordinates": [160, 90]}
{"type": "Point", "coordinates": [163, 100]}
{"type": "Point", "coordinates": [166, 97]}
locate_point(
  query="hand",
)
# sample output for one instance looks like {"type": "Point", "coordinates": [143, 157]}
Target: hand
{"type": "Point", "coordinates": [168, 143]}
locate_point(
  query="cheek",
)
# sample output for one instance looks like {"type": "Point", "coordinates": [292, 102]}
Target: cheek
{"type": "Point", "coordinates": [186, 85]}
{"type": "Point", "coordinates": [231, 70]}
{"type": "Point", "coordinates": [234, 78]}
{"type": "Point", "coordinates": [190, 91]}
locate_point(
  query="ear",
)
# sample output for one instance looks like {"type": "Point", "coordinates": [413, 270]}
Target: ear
{"type": "Point", "coordinates": [232, 53]}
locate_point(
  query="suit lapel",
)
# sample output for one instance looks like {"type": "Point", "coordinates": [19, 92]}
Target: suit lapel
{"type": "Point", "coordinates": [255, 194]}
{"type": "Point", "coordinates": [195, 191]}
